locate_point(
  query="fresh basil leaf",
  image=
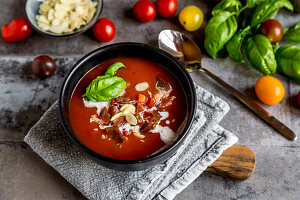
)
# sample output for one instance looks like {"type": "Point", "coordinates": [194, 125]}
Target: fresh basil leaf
{"type": "Point", "coordinates": [105, 88]}
{"type": "Point", "coordinates": [253, 3]}
{"type": "Point", "coordinates": [260, 54]}
{"type": "Point", "coordinates": [234, 45]}
{"type": "Point", "coordinates": [231, 6]}
{"type": "Point", "coordinates": [114, 68]}
{"type": "Point", "coordinates": [292, 34]}
{"type": "Point", "coordinates": [268, 10]}
{"type": "Point", "coordinates": [218, 32]}
{"type": "Point", "coordinates": [288, 59]}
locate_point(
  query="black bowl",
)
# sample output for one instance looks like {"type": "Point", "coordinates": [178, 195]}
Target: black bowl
{"type": "Point", "coordinates": [154, 54]}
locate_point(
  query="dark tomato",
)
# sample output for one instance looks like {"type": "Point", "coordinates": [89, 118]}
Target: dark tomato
{"type": "Point", "coordinates": [17, 30]}
{"type": "Point", "coordinates": [166, 8]}
{"type": "Point", "coordinates": [144, 10]}
{"type": "Point", "coordinates": [298, 99]}
{"type": "Point", "coordinates": [272, 29]}
{"type": "Point", "coordinates": [104, 30]}
{"type": "Point", "coordinates": [43, 66]}
{"type": "Point", "coordinates": [296, 4]}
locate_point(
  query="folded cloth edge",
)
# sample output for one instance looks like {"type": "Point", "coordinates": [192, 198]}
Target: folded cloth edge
{"type": "Point", "coordinates": [194, 171]}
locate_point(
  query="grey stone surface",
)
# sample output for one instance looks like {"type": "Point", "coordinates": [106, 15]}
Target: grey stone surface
{"type": "Point", "coordinates": [23, 175]}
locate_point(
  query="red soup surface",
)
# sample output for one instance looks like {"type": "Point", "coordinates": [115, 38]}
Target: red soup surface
{"type": "Point", "coordinates": [154, 111]}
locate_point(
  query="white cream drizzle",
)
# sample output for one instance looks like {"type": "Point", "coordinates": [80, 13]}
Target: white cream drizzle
{"type": "Point", "coordinates": [166, 134]}
{"type": "Point", "coordinates": [164, 115]}
{"type": "Point", "coordinates": [98, 105]}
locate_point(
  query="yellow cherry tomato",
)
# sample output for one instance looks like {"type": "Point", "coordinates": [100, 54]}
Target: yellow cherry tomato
{"type": "Point", "coordinates": [191, 18]}
{"type": "Point", "coordinates": [269, 90]}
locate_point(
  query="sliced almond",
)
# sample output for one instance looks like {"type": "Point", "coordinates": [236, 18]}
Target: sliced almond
{"type": "Point", "coordinates": [129, 110]}
{"type": "Point", "coordinates": [116, 116]}
{"type": "Point", "coordinates": [131, 119]}
{"type": "Point", "coordinates": [124, 107]}
{"type": "Point", "coordinates": [138, 135]}
{"type": "Point", "coordinates": [141, 86]}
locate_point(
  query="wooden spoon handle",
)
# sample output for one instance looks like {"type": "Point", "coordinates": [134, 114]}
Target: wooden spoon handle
{"type": "Point", "coordinates": [236, 163]}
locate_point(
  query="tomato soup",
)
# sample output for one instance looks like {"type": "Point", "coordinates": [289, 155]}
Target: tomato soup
{"type": "Point", "coordinates": [139, 121]}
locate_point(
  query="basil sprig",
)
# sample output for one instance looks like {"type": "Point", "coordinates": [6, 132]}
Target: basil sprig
{"type": "Point", "coordinates": [288, 59]}
{"type": "Point", "coordinates": [218, 32]}
{"type": "Point", "coordinates": [260, 54]}
{"type": "Point", "coordinates": [269, 10]}
{"type": "Point", "coordinates": [234, 45]}
{"type": "Point", "coordinates": [231, 6]}
{"type": "Point", "coordinates": [253, 3]}
{"type": "Point", "coordinates": [292, 34]}
{"type": "Point", "coordinates": [105, 88]}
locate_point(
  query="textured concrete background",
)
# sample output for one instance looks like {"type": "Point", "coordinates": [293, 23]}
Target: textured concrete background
{"type": "Point", "coordinates": [23, 175]}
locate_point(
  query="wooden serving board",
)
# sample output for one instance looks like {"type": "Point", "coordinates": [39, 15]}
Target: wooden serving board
{"type": "Point", "coordinates": [236, 163]}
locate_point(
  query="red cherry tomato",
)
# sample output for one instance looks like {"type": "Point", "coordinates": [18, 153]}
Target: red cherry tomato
{"type": "Point", "coordinates": [17, 30]}
{"type": "Point", "coordinates": [144, 10]}
{"type": "Point", "coordinates": [272, 29]}
{"type": "Point", "coordinates": [166, 8]}
{"type": "Point", "coordinates": [298, 99]}
{"type": "Point", "coordinates": [104, 30]}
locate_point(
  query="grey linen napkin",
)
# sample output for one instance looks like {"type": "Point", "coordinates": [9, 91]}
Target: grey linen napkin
{"type": "Point", "coordinates": [205, 143]}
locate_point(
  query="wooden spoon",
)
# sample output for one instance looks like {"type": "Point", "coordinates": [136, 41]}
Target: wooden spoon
{"type": "Point", "coordinates": [236, 163]}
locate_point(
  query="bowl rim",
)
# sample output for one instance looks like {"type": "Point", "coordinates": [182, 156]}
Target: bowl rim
{"type": "Point", "coordinates": [169, 148]}
{"type": "Point", "coordinates": [79, 31]}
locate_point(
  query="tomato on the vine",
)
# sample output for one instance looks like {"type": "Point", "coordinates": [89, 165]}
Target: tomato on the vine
{"type": "Point", "coordinates": [144, 10]}
{"type": "Point", "coordinates": [269, 90]}
{"type": "Point", "coordinates": [272, 29]}
{"type": "Point", "coordinates": [104, 30]}
{"type": "Point", "coordinates": [17, 30]}
{"type": "Point", "coordinates": [166, 8]}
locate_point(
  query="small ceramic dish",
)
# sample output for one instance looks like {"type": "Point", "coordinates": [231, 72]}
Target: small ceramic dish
{"type": "Point", "coordinates": [32, 10]}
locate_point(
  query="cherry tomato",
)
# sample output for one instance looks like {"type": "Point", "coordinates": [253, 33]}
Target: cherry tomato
{"type": "Point", "coordinates": [272, 29]}
{"type": "Point", "coordinates": [17, 30]}
{"type": "Point", "coordinates": [104, 30]}
{"type": "Point", "coordinates": [166, 8]}
{"type": "Point", "coordinates": [269, 90]}
{"type": "Point", "coordinates": [43, 66]}
{"type": "Point", "coordinates": [296, 4]}
{"type": "Point", "coordinates": [144, 10]}
{"type": "Point", "coordinates": [298, 99]}
{"type": "Point", "coordinates": [191, 18]}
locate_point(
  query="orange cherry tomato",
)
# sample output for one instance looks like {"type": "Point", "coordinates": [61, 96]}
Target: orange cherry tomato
{"type": "Point", "coordinates": [269, 90]}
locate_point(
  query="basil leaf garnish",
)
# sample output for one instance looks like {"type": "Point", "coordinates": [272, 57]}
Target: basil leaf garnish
{"type": "Point", "coordinates": [234, 45]}
{"type": "Point", "coordinates": [218, 32]}
{"type": "Point", "coordinates": [231, 6]}
{"type": "Point", "coordinates": [105, 88]}
{"type": "Point", "coordinates": [252, 3]}
{"type": "Point", "coordinates": [292, 34]}
{"type": "Point", "coordinates": [268, 10]}
{"type": "Point", "coordinates": [260, 54]}
{"type": "Point", "coordinates": [288, 59]}
{"type": "Point", "coordinates": [114, 68]}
